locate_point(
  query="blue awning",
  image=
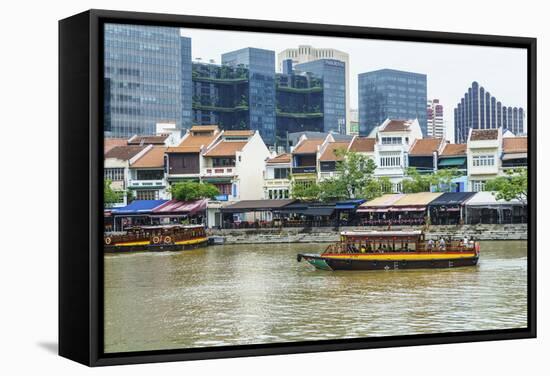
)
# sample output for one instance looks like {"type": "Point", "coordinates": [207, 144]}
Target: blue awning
{"type": "Point", "coordinates": [350, 204]}
{"type": "Point", "coordinates": [139, 207]}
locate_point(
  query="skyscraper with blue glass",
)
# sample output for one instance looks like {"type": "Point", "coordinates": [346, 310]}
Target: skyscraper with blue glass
{"type": "Point", "coordinates": [143, 78]}
{"type": "Point", "coordinates": [478, 109]}
{"type": "Point", "coordinates": [389, 93]}
{"type": "Point", "coordinates": [333, 75]}
{"type": "Point", "coordinates": [261, 79]}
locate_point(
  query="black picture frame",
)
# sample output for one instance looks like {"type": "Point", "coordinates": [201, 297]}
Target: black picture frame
{"type": "Point", "coordinates": [81, 163]}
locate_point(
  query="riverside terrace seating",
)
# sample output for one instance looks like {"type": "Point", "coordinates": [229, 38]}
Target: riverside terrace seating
{"type": "Point", "coordinates": [396, 222]}
{"type": "Point", "coordinates": [277, 223]}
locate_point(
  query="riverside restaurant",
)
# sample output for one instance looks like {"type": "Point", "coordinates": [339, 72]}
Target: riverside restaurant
{"type": "Point", "coordinates": [154, 212]}
{"type": "Point", "coordinates": [289, 213]}
{"type": "Point", "coordinates": [396, 209]}
{"type": "Point", "coordinates": [399, 209]}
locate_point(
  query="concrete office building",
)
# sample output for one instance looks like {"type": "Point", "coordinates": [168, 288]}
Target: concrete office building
{"type": "Point", "coordinates": [478, 109]}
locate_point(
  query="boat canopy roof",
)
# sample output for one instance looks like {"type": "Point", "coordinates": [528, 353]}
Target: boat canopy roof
{"type": "Point", "coordinates": [382, 234]}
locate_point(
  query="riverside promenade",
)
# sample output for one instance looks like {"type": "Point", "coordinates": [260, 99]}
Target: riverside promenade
{"type": "Point", "coordinates": [331, 234]}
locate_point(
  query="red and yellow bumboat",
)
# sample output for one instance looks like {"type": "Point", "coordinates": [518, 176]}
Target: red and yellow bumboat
{"type": "Point", "coordinates": [385, 250]}
{"type": "Point", "coordinates": [156, 238]}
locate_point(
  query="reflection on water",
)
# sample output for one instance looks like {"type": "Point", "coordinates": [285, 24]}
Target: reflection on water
{"type": "Point", "coordinates": [250, 294]}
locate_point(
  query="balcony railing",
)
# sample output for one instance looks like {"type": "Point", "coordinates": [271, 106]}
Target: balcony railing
{"type": "Point", "coordinates": [304, 170]}
{"type": "Point", "coordinates": [329, 174]}
{"type": "Point", "coordinates": [146, 184]}
{"type": "Point", "coordinates": [277, 182]}
{"type": "Point", "coordinates": [218, 171]}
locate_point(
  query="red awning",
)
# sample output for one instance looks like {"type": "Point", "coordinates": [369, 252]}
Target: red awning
{"type": "Point", "coordinates": [180, 207]}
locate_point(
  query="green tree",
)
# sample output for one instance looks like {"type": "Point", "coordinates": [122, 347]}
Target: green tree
{"type": "Point", "coordinates": [513, 185]}
{"type": "Point", "coordinates": [443, 179]}
{"type": "Point", "coordinates": [305, 191]}
{"type": "Point", "coordinates": [356, 172]}
{"type": "Point", "coordinates": [417, 182]}
{"type": "Point", "coordinates": [332, 190]}
{"type": "Point", "coordinates": [190, 190]}
{"type": "Point", "coordinates": [110, 196]}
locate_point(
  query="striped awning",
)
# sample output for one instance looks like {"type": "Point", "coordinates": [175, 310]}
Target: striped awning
{"type": "Point", "coordinates": [180, 207]}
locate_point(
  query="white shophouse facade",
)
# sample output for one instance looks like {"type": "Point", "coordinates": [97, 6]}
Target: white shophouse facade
{"type": "Point", "coordinates": [484, 149]}
{"type": "Point", "coordinates": [394, 139]}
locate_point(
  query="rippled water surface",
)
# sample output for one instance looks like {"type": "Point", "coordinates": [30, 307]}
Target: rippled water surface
{"type": "Point", "coordinates": [250, 294]}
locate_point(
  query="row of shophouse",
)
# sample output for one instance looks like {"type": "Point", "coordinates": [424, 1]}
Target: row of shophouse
{"type": "Point", "coordinates": [241, 166]}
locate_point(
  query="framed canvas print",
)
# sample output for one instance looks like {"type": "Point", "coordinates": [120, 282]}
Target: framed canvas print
{"type": "Point", "coordinates": [236, 187]}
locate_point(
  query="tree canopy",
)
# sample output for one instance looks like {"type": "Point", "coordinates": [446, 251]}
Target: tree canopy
{"type": "Point", "coordinates": [110, 196]}
{"type": "Point", "coordinates": [190, 190]}
{"type": "Point", "coordinates": [353, 178]}
{"type": "Point", "coordinates": [513, 185]}
{"type": "Point", "coordinates": [440, 181]}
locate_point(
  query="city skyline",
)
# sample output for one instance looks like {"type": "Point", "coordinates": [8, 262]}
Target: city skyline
{"type": "Point", "coordinates": [501, 69]}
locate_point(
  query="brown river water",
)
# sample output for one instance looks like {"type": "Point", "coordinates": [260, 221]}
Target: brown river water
{"type": "Point", "coordinates": [254, 293]}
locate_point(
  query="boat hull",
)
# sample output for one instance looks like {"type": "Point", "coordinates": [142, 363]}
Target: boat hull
{"type": "Point", "coordinates": [343, 263]}
{"type": "Point", "coordinates": [174, 247]}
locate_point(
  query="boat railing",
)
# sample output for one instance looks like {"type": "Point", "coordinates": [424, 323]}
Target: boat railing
{"type": "Point", "coordinates": [453, 246]}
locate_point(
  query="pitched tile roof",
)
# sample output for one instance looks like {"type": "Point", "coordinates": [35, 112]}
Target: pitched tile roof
{"type": "Point", "coordinates": [363, 144]}
{"type": "Point", "coordinates": [192, 143]}
{"type": "Point", "coordinates": [329, 154]}
{"type": "Point", "coordinates": [396, 126]}
{"type": "Point", "coordinates": [307, 146]}
{"type": "Point", "coordinates": [145, 140]}
{"type": "Point", "coordinates": [514, 144]}
{"type": "Point", "coordinates": [154, 158]}
{"type": "Point", "coordinates": [225, 148]}
{"type": "Point", "coordinates": [453, 150]}
{"type": "Point", "coordinates": [425, 146]}
{"type": "Point", "coordinates": [109, 143]}
{"type": "Point", "coordinates": [204, 128]}
{"type": "Point", "coordinates": [484, 134]}
{"type": "Point", "coordinates": [124, 152]}
{"type": "Point", "coordinates": [281, 158]}
{"type": "Point", "coordinates": [238, 133]}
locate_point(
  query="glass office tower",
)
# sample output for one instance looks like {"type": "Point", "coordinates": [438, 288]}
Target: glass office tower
{"type": "Point", "coordinates": [392, 94]}
{"type": "Point", "coordinates": [186, 83]}
{"type": "Point", "coordinates": [261, 79]}
{"type": "Point", "coordinates": [142, 77]}
{"type": "Point", "coordinates": [333, 76]}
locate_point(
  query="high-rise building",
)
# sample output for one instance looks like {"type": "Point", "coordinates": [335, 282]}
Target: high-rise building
{"type": "Point", "coordinates": [478, 109]}
{"type": "Point", "coordinates": [261, 80]}
{"type": "Point", "coordinates": [300, 100]}
{"type": "Point", "coordinates": [186, 83]}
{"type": "Point", "coordinates": [391, 94]}
{"type": "Point", "coordinates": [436, 124]}
{"type": "Point", "coordinates": [220, 96]}
{"type": "Point", "coordinates": [304, 54]}
{"type": "Point", "coordinates": [333, 76]}
{"type": "Point", "coordinates": [354, 122]}
{"type": "Point", "coordinates": [142, 79]}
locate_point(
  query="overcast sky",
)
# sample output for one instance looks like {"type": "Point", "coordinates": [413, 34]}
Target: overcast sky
{"type": "Point", "coordinates": [450, 68]}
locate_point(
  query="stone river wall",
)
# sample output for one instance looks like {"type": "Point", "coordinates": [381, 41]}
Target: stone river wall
{"type": "Point", "coordinates": [328, 234]}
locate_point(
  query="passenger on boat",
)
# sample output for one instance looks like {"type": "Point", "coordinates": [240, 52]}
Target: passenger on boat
{"type": "Point", "coordinates": [430, 244]}
{"type": "Point", "coordinates": [466, 243]}
{"type": "Point", "coordinates": [442, 244]}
